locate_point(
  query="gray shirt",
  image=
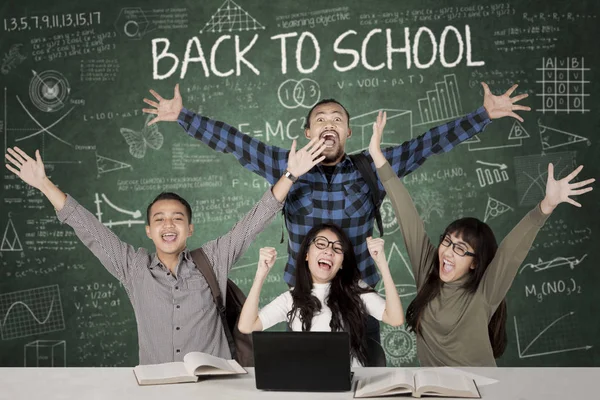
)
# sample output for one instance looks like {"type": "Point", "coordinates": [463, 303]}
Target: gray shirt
{"type": "Point", "coordinates": [175, 315]}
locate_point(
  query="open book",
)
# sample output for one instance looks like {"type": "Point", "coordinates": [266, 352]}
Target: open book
{"type": "Point", "coordinates": [417, 383]}
{"type": "Point", "coordinates": [194, 364]}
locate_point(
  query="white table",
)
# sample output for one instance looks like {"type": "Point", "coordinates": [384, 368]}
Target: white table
{"type": "Point", "coordinates": [120, 383]}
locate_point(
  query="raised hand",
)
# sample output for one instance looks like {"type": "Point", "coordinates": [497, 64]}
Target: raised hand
{"type": "Point", "coordinates": [301, 161]}
{"type": "Point", "coordinates": [393, 314]}
{"type": "Point", "coordinates": [266, 259]}
{"type": "Point", "coordinates": [165, 109]}
{"type": "Point", "coordinates": [559, 191]}
{"type": "Point", "coordinates": [376, 250]}
{"type": "Point", "coordinates": [375, 143]}
{"type": "Point", "coordinates": [29, 170]}
{"type": "Point", "coordinates": [504, 105]}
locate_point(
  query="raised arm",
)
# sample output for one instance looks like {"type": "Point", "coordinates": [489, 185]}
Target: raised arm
{"type": "Point", "coordinates": [227, 249]}
{"type": "Point", "coordinates": [249, 320]}
{"type": "Point", "coordinates": [513, 250]}
{"type": "Point", "coordinates": [114, 254]}
{"type": "Point", "coordinates": [411, 154]}
{"type": "Point", "coordinates": [419, 247]}
{"type": "Point", "coordinates": [393, 314]}
{"type": "Point", "coordinates": [266, 161]}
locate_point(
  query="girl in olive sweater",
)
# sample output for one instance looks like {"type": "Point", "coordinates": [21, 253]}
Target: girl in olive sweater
{"type": "Point", "coordinates": [459, 313]}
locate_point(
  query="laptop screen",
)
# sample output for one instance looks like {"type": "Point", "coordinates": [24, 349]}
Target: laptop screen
{"type": "Point", "coordinates": [302, 361]}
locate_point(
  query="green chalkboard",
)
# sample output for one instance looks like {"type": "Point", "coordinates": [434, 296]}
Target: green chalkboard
{"type": "Point", "coordinates": [72, 81]}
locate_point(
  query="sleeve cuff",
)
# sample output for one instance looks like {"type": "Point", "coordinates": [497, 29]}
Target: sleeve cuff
{"type": "Point", "coordinates": [482, 117]}
{"type": "Point", "coordinates": [69, 208]}
{"type": "Point", "coordinates": [185, 118]}
{"type": "Point", "coordinates": [386, 172]}
{"type": "Point", "coordinates": [482, 112]}
{"type": "Point", "coordinates": [537, 216]}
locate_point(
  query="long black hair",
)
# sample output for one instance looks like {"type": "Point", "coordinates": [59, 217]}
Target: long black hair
{"type": "Point", "coordinates": [481, 238]}
{"type": "Point", "coordinates": [347, 309]}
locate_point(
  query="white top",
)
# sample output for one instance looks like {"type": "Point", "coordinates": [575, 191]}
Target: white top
{"type": "Point", "coordinates": [277, 310]}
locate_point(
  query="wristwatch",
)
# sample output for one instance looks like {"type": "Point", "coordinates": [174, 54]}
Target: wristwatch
{"type": "Point", "coordinates": [291, 177]}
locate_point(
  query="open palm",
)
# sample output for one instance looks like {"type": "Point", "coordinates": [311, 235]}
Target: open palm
{"type": "Point", "coordinates": [31, 171]}
{"type": "Point", "coordinates": [560, 191]}
{"type": "Point", "coordinates": [503, 105]}
{"type": "Point", "coordinates": [165, 109]}
{"type": "Point", "coordinates": [301, 161]}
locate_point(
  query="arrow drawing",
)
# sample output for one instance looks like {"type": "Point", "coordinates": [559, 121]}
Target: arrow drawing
{"type": "Point", "coordinates": [501, 166]}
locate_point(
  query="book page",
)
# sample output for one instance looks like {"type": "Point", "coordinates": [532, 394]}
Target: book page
{"type": "Point", "coordinates": [441, 380]}
{"type": "Point", "coordinates": [393, 382]}
{"type": "Point", "coordinates": [237, 367]}
{"type": "Point", "coordinates": [163, 373]}
{"type": "Point", "coordinates": [201, 363]}
{"type": "Point", "coordinates": [480, 380]}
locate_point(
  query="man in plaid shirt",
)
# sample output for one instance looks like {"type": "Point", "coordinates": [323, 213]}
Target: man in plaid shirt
{"type": "Point", "coordinates": [333, 191]}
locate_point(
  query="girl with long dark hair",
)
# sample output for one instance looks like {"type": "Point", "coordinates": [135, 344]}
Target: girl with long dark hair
{"type": "Point", "coordinates": [459, 313]}
{"type": "Point", "coordinates": [329, 295]}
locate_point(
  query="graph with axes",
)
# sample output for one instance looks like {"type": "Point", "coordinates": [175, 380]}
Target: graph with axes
{"type": "Point", "coordinates": [130, 217]}
{"type": "Point", "coordinates": [532, 174]}
{"type": "Point", "coordinates": [31, 312]}
{"type": "Point", "coordinates": [49, 93]}
{"type": "Point", "coordinates": [528, 348]}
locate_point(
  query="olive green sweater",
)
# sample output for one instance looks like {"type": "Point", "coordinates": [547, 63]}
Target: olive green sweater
{"type": "Point", "coordinates": [454, 325]}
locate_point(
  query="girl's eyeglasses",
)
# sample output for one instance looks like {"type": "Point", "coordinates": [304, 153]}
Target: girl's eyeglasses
{"type": "Point", "coordinates": [321, 242]}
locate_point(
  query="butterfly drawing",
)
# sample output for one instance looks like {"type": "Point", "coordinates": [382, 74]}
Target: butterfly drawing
{"type": "Point", "coordinates": [149, 136]}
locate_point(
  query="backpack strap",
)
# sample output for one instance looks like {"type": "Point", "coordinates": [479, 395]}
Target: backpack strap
{"type": "Point", "coordinates": [205, 268]}
{"type": "Point", "coordinates": [364, 167]}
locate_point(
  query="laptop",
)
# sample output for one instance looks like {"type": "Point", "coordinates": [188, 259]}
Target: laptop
{"type": "Point", "coordinates": [302, 361]}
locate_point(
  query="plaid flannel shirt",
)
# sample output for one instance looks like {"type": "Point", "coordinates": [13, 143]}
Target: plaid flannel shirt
{"type": "Point", "coordinates": [345, 201]}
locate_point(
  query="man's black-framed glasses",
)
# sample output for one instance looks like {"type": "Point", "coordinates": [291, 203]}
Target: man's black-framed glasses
{"type": "Point", "coordinates": [321, 242]}
{"type": "Point", "coordinates": [457, 248]}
